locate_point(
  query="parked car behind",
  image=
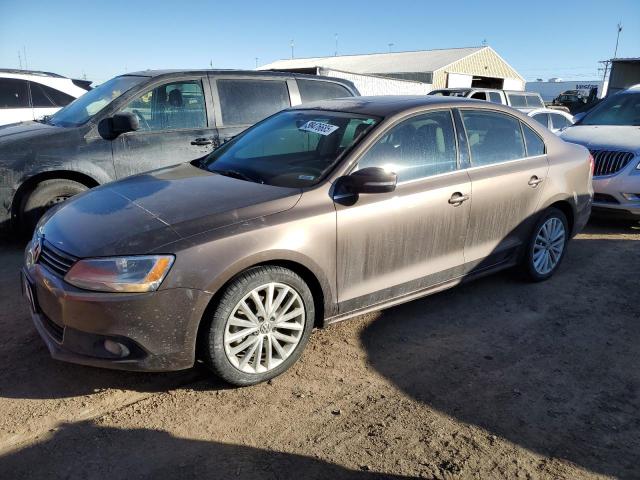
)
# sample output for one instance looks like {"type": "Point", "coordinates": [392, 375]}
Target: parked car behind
{"type": "Point", "coordinates": [611, 131]}
{"type": "Point", "coordinates": [523, 101]}
{"type": "Point", "coordinates": [138, 122]}
{"type": "Point", "coordinates": [29, 95]}
{"type": "Point", "coordinates": [316, 214]}
{"type": "Point", "coordinates": [554, 120]}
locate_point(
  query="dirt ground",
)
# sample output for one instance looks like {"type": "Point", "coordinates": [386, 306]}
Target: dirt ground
{"type": "Point", "coordinates": [493, 379]}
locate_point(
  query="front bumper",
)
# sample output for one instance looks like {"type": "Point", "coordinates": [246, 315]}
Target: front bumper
{"type": "Point", "coordinates": [158, 329]}
{"type": "Point", "coordinates": [608, 198]}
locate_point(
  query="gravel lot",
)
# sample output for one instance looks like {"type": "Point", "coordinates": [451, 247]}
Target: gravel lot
{"type": "Point", "coordinates": [494, 379]}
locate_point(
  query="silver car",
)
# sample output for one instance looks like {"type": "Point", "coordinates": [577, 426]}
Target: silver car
{"type": "Point", "coordinates": [611, 132]}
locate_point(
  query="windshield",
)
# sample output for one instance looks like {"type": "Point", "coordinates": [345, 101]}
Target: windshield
{"type": "Point", "coordinates": [621, 109]}
{"type": "Point", "coordinates": [294, 148]}
{"type": "Point", "coordinates": [82, 109]}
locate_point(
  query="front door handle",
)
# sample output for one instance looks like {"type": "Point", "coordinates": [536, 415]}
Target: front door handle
{"type": "Point", "coordinates": [202, 141]}
{"type": "Point", "coordinates": [457, 199]}
{"type": "Point", "coordinates": [535, 181]}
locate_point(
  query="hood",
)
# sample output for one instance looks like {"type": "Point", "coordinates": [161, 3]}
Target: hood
{"type": "Point", "coordinates": [604, 137]}
{"type": "Point", "coordinates": [26, 130]}
{"type": "Point", "coordinates": [140, 214]}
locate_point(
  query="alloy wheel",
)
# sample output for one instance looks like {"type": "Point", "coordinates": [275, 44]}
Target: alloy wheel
{"type": "Point", "coordinates": [548, 246]}
{"type": "Point", "coordinates": [264, 328]}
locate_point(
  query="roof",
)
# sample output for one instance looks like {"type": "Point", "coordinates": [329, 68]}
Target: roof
{"type": "Point", "coordinates": [249, 73]}
{"type": "Point", "coordinates": [414, 61]}
{"type": "Point", "coordinates": [386, 105]}
{"type": "Point", "coordinates": [30, 72]}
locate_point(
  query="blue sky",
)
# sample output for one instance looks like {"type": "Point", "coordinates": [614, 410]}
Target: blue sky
{"type": "Point", "coordinates": [102, 39]}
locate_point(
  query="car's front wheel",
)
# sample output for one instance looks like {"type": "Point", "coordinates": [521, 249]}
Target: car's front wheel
{"type": "Point", "coordinates": [46, 195]}
{"type": "Point", "coordinates": [547, 245]}
{"type": "Point", "coordinates": [260, 326]}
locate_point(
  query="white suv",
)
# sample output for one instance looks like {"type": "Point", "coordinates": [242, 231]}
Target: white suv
{"type": "Point", "coordinates": [27, 95]}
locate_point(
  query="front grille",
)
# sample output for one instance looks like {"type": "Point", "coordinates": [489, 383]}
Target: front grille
{"type": "Point", "coordinates": [55, 260]}
{"type": "Point", "coordinates": [608, 162]}
{"type": "Point", "coordinates": [604, 198]}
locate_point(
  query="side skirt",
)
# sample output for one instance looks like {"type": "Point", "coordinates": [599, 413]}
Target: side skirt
{"type": "Point", "coordinates": [504, 264]}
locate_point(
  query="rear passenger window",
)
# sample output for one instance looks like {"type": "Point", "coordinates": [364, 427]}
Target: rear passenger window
{"type": "Point", "coordinates": [245, 102]}
{"type": "Point", "coordinates": [560, 121]}
{"type": "Point", "coordinates": [13, 93]}
{"type": "Point", "coordinates": [517, 100]}
{"type": "Point", "coordinates": [495, 97]}
{"type": "Point", "coordinates": [312, 90]}
{"type": "Point", "coordinates": [535, 145]}
{"type": "Point", "coordinates": [420, 147]}
{"type": "Point", "coordinates": [493, 137]}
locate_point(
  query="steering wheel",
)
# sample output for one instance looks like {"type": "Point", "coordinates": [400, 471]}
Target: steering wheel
{"type": "Point", "coordinates": [142, 119]}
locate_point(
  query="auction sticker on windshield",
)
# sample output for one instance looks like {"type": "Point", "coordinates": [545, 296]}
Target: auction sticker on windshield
{"type": "Point", "coordinates": [319, 127]}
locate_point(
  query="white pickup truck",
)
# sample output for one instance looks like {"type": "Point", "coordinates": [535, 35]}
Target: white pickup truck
{"type": "Point", "coordinates": [523, 101]}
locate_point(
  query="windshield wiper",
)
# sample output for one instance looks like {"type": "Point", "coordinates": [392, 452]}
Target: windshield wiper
{"type": "Point", "coordinates": [236, 174]}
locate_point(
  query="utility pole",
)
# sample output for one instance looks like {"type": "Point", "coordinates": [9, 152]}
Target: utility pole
{"type": "Point", "coordinates": [615, 54]}
{"type": "Point", "coordinates": [257, 62]}
{"type": "Point", "coordinates": [390, 45]}
{"type": "Point", "coordinates": [24, 51]}
{"type": "Point", "coordinates": [336, 52]}
{"type": "Point", "coordinates": [19, 59]}
{"type": "Point", "coordinates": [292, 45]}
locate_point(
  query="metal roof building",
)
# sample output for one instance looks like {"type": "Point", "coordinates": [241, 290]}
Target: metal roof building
{"type": "Point", "coordinates": [625, 72]}
{"type": "Point", "coordinates": [454, 67]}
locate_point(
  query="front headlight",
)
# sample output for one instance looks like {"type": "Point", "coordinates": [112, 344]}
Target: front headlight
{"type": "Point", "coordinates": [120, 274]}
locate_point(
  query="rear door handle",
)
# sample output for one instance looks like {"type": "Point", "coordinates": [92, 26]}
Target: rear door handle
{"type": "Point", "coordinates": [457, 199]}
{"type": "Point", "coordinates": [535, 181]}
{"type": "Point", "coordinates": [202, 141]}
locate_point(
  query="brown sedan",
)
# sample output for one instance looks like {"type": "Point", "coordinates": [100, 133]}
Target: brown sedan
{"type": "Point", "coordinates": [316, 214]}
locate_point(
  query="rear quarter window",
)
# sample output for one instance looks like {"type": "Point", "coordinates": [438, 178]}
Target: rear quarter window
{"type": "Point", "coordinates": [245, 102]}
{"type": "Point", "coordinates": [535, 145]}
{"type": "Point", "coordinates": [312, 90]}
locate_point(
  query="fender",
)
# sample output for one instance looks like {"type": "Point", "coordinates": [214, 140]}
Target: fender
{"type": "Point", "coordinates": [280, 256]}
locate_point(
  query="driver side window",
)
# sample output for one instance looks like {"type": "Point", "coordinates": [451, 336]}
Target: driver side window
{"type": "Point", "coordinates": [171, 106]}
{"type": "Point", "coordinates": [420, 147]}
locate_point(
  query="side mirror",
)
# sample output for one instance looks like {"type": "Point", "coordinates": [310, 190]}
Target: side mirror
{"type": "Point", "coordinates": [120, 123]}
{"type": "Point", "coordinates": [369, 180]}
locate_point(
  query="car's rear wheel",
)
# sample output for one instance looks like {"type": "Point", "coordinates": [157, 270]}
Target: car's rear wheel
{"type": "Point", "coordinates": [45, 195]}
{"type": "Point", "coordinates": [547, 246]}
{"type": "Point", "coordinates": [260, 326]}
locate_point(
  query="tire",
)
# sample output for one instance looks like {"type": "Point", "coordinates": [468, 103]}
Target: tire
{"type": "Point", "coordinates": [46, 195]}
{"type": "Point", "coordinates": [553, 241]}
{"type": "Point", "coordinates": [227, 341]}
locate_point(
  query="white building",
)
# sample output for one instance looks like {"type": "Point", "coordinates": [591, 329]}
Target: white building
{"type": "Point", "coordinates": [416, 72]}
{"type": "Point", "coordinates": [554, 87]}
